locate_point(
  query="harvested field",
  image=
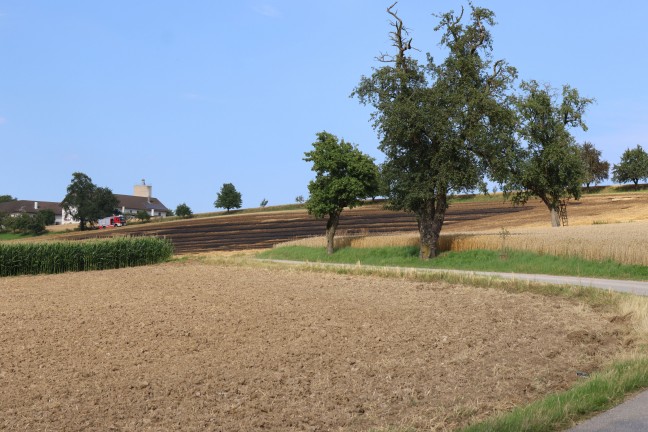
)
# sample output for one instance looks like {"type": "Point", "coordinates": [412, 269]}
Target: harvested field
{"type": "Point", "coordinates": [263, 230]}
{"type": "Point", "coordinates": [192, 346]}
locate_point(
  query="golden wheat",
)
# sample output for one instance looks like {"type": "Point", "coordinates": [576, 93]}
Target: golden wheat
{"type": "Point", "coordinates": [626, 243]}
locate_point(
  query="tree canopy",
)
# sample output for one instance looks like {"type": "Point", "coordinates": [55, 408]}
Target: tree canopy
{"type": "Point", "coordinates": [442, 126]}
{"type": "Point", "coordinates": [344, 176]}
{"type": "Point", "coordinates": [596, 170]}
{"type": "Point", "coordinates": [228, 198]}
{"type": "Point", "coordinates": [6, 198]}
{"type": "Point", "coordinates": [550, 166]}
{"type": "Point", "coordinates": [633, 166]}
{"type": "Point", "coordinates": [86, 202]}
{"type": "Point", "coordinates": [183, 211]}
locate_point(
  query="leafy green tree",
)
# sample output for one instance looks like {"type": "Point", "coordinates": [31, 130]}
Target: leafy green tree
{"type": "Point", "coordinates": [444, 126]}
{"type": "Point", "coordinates": [46, 216]}
{"type": "Point", "coordinates": [228, 197]}
{"type": "Point", "coordinates": [344, 176]}
{"type": "Point", "coordinates": [596, 170]}
{"type": "Point", "coordinates": [183, 211]}
{"type": "Point", "coordinates": [25, 223]}
{"type": "Point", "coordinates": [632, 167]}
{"type": "Point", "coordinates": [299, 199]}
{"type": "Point", "coordinates": [86, 202]}
{"type": "Point", "coordinates": [550, 167]}
{"type": "Point", "coordinates": [143, 216]}
{"type": "Point", "coordinates": [6, 198]}
{"type": "Point", "coordinates": [264, 202]}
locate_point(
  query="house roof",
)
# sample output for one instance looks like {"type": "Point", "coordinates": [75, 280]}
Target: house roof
{"type": "Point", "coordinates": [27, 206]}
{"type": "Point", "coordinates": [140, 203]}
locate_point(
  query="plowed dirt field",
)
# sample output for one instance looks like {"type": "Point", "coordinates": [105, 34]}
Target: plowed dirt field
{"type": "Point", "coordinates": [262, 230]}
{"type": "Point", "coordinates": [192, 346]}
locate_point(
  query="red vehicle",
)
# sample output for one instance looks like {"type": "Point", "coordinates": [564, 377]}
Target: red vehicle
{"type": "Point", "coordinates": [111, 222]}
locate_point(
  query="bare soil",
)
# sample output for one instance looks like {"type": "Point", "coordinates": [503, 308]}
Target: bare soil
{"type": "Point", "coordinates": [263, 230]}
{"type": "Point", "coordinates": [192, 346]}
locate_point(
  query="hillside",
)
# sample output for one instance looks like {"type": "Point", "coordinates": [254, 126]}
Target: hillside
{"type": "Point", "coordinates": [252, 230]}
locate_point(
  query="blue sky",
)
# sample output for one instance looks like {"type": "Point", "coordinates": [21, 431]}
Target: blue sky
{"type": "Point", "coordinates": [191, 95]}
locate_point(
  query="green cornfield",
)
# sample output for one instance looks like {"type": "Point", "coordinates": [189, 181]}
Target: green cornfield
{"type": "Point", "coordinates": [59, 257]}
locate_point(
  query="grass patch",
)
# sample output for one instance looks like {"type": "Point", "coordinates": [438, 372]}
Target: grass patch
{"type": "Point", "coordinates": [600, 392]}
{"type": "Point", "coordinates": [476, 260]}
{"type": "Point", "coordinates": [13, 236]}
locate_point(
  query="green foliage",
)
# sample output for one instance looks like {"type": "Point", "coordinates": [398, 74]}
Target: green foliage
{"type": "Point", "coordinates": [550, 167]}
{"type": "Point", "coordinates": [47, 216]}
{"type": "Point", "coordinates": [443, 127]}
{"type": "Point", "coordinates": [299, 199]}
{"type": "Point", "coordinates": [143, 216]}
{"type": "Point", "coordinates": [228, 197]}
{"type": "Point", "coordinates": [6, 198]}
{"type": "Point", "coordinates": [59, 257]}
{"type": "Point", "coordinates": [86, 202]}
{"type": "Point", "coordinates": [596, 170]}
{"type": "Point", "coordinates": [344, 176]}
{"type": "Point", "coordinates": [264, 202]}
{"type": "Point", "coordinates": [25, 223]}
{"type": "Point", "coordinates": [183, 211]}
{"type": "Point", "coordinates": [633, 166]}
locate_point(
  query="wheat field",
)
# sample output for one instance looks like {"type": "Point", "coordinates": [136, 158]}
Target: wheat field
{"type": "Point", "coordinates": [626, 243]}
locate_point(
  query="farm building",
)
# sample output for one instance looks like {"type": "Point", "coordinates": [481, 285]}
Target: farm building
{"type": "Point", "coordinates": [18, 207]}
{"type": "Point", "coordinates": [128, 205]}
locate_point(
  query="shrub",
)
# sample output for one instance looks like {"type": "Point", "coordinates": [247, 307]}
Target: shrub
{"type": "Point", "coordinates": [143, 215]}
{"type": "Point", "coordinates": [59, 257]}
{"type": "Point", "coordinates": [183, 211]}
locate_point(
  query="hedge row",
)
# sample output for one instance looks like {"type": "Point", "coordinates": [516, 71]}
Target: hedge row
{"type": "Point", "coordinates": [58, 257]}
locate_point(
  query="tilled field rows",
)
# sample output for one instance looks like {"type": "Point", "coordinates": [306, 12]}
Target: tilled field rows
{"type": "Point", "coordinates": [263, 230]}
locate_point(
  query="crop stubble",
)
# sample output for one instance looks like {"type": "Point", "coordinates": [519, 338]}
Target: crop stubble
{"type": "Point", "coordinates": [194, 346]}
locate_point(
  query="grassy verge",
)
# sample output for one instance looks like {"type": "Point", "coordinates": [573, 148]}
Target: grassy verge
{"type": "Point", "coordinates": [600, 392]}
{"type": "Point", "coordinates": [476, 260]}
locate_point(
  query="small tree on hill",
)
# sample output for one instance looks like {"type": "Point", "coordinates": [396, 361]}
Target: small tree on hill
{"type": "Point", "coordinates": [263, 203]}
{"type": "Point", "coordinates": [344, 176]}
{"type": "Point", "coordinates": [183, 211]}
{"type": "Point", "coordinates": [596, 170]}
{"type": "Point", "coordinates": [299, 199]}
{"type": "Point", "coordinates": [632, 167]}
{"type": "Point", "coordinates": [6, 198]}
{"type": "Point", "coordinates": [228, 198]}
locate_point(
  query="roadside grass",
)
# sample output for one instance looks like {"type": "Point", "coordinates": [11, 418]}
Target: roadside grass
{"type": "Point", "coordinates": [509, 261]}
{"type": "Point", "coordinates": [599, 392]}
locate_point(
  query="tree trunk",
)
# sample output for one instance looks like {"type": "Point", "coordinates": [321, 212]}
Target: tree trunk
{"type": "Point", "coordinates": [331, 226]}
{"type": "Point", "coordinates": [552, 205]}
{"type": "Point", "coordinates": [555, 217]}
{"type": "Point", "coordinates": [430, 221]}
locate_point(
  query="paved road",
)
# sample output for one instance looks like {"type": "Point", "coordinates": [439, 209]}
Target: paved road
{"type": "Point", "coordinates": [630, 416]}
{"type": "Point", "coordinates": [627, 286]}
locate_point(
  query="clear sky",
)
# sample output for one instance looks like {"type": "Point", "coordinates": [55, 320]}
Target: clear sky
{"type": "Point", "coordinates": [191, 95]}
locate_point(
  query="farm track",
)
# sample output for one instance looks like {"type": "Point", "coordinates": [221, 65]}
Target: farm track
{"type": "Point", "coordinates": [263, 230]}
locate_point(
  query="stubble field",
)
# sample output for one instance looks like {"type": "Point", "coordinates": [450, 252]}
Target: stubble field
{"type": "Point", "coordinates": [198, 346]}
